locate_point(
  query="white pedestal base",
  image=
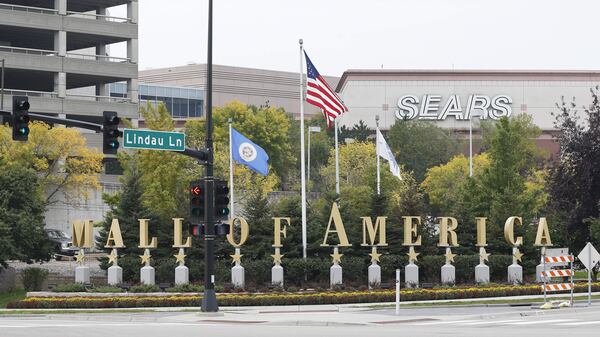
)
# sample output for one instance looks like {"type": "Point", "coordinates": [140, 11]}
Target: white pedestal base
{"type": "Point", "coordinates": [82, 274]}
{"type": "Point", "coordinates": [115, 275]}
{"type": "Point", "coordinates": [238, 276]}
{"type": "Point", "coordinates": [538, 272]}
{"type": "Point", "coordinates": [182, 275]}
{"type": "Point", "coordinates": [277, 275]}
{"type": "Point", "coordinates": [147, 275]}
{"type": "Point", "coordinates": [448, 274]}
{"type": "Point", "coordinates": [515, 274]}
{"type": "Point", "coordinates": [482, 274]}
{"type": "Point", "coordinates": [335, 275]}
{"type": "Point", "coordinates": [374, 275]}
{"type": "Point", "coordinates": [411, 275]}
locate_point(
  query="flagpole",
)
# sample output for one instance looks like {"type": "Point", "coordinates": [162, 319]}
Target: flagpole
{"type": "Point", "coordinates": [337, 159]}
{"type": "Point", "coordinates": [231, 171]}
{"type": "Point", "coordinates": [377, 154]}
{"type": "Point", "coordinates": [302, 164]}
{"type": "Point", "coordinates": [470, 146]}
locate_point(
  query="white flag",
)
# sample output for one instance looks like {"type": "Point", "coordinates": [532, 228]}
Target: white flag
{"type": "Point", "coordinates": [384, 151]}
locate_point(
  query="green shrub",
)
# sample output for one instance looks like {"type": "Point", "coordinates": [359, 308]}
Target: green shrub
{"type": "Point", "coordinates": [144, 288]}
{"type": "Point", "coordinates": [106, 290]}
{"type": "Point", "coordinates": [33, 278]}
{"type": "Point", "coordinates": [186, 288]}
{"type": "Point", "coordinates": [69, 288]}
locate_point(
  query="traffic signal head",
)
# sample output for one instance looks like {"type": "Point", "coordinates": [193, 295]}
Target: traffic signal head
{"type": "Point", "coordinates": [20, 118]}
{"type": "Point", "coordinates": [221, 210]}
{"type": "Point", "coordinates": [197, 204]}
{"type": "Point", "coordinates": [222, 229]}
{"type": "Point", "coordinates": [111, 133]}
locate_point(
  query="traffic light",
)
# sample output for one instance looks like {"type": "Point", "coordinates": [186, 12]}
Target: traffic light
{"type": "Point", "coordinates": [20, 118]}
{"type": "Point", "coordinates": [222, 229]}
{"type": "Point", "coordinates": [197, 204]}
{"type": "Point", "coordinates": [197, 230]}
{"type": "Point", "coordinates": [221, 210]}
{"type": "Point", "coordinates": [111, 133]}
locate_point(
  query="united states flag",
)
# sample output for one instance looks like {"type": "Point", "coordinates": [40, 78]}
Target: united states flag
{"type": "Point", "coordinates": [319, 93]}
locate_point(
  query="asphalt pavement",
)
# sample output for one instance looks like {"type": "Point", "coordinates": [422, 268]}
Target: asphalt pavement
{"type": "Point", "coordinates": [315, 321]}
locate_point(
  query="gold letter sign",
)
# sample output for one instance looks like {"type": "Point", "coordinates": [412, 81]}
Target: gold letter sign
{"type": "Point", "coordinates": [543, 234]}
{"type": "Point", "coordinates": [115, 239]}
{"type": "Point", "coordinates": [481, 232]}
{"type": "Point", "coordinates": [410, 229]}
{"type": "Point", "coordinates": [448, 232]}
{"type": "Point", "coordinates": [82, 234]}
{"type": "Point", "coordinates": [368, 227]}
{"type": "Point", "coordinates": [178, 235]}
{"type": "Point", "coordinates": [144, 235]}
{"type": "Point", "coordinates": [339, 228]}
{"type": "Point", "coordinates": [278, 231]}
{"type": "Point", "coordinates": [244, 229]}
{"type": "Point", "coordinates": [509, 231]}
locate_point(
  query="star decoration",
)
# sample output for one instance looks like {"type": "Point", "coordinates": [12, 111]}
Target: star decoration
{"type": "Point", "coordinates": [180, 257]}
{"type": "Point", "coordinates": [146, 257]}
{"type": "Point", "coordinates": [412, 255]}
{"type": "Point", "coordinates": [112, 257]}
{"type": "Point", "coordinates": [80, 257]}
{"type": "Point", "coordinates": [374, 255]}
{"type": "Point", "coordinates": [518, 255]}
{"type": "Point", "coordinates": [485, 256]}
{"type": "Point", "coordinates": [449, 256]}
{"type": "Point", "coordinates": [336, 256]}
{"type": "Point", "coordinates": [237, 257]}
{"type": "Point", "coordinates": [277, 257]}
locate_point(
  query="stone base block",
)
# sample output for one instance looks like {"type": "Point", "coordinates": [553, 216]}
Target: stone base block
{"type": "Point", "coordinates": [238, 276]}
{"type": "Point", "coordinates": [277, 275]}
{"type": "Point", "coordinates": [515, 274]}
{"type": "Point", "coordinates": [182, 275]}
{"type": "Point", "coordinates": [482, 274]}
{"type": "Point", "coordinates": [147, 275]}
{"type": "Point", "coordinates": [448, 274]}
{"type": "Point", "coordinates": [82, 274]}
{"type": "Point", "coordinates": [335, 275]}
{"type": "Point", "coordinates": [115, 275]}
{"type": "Point", "coordinates": [411, 275]}
{"type": "Point", "coordinates": [374, 276]}
{"type": "Point", "coordinates": [538, 272]}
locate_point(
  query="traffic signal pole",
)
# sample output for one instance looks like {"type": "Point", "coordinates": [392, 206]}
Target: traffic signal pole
{"type": "Point", "coordinates": [209, 299]}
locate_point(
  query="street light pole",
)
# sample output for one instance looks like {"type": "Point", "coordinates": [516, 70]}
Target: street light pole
{"type": "Point", "coordinates": [209, 299]}
{"type": "Point", "coordinates": [310, 130]}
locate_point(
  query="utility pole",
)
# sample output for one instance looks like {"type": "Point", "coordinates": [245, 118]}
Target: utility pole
{"type": "Point", "coordinates": [209, 299]}
{"type": "Point", "coordinates": [2, 91]}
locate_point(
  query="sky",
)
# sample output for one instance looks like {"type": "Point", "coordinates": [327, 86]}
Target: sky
{"type": "Point", "coordinates": [373, 34]}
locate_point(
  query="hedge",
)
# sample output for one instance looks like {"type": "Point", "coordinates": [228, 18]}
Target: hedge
{"type": "Point", "coordinates": [266, 299]}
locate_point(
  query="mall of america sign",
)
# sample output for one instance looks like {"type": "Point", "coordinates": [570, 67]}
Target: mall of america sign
{"type": "Point", "coordinates": [432, 107]}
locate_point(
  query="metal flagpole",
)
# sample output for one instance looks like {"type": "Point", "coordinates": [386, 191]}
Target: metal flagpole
{"type": "Point", "coordinates": [337, 160]}
{"type": "Point", "coordinates": [302, 164]}
{"type": "Point", "coordinates": [470, 146]}
{"type": "Point", "coordinates": [231, 171]}
{"type": "Point", "coordinates": [377, 155]}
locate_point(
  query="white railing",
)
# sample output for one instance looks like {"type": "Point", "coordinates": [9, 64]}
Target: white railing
{"type": "Point", "coordinates": [99, 17]}
{"type": "Point", "coordinates": [30, 93]}
{"type": "Point", "coordinates": [96, 98]}
{"type": "Point", "coordinates": [30, 51]}
{"type": "Point", "coordinates": [28, 9]}
{"type": "Point", "coordinates": [105, 58]}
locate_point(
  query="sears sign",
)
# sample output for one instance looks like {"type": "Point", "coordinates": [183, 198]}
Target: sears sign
{"type": "Point", "coordinates": [432, 107]}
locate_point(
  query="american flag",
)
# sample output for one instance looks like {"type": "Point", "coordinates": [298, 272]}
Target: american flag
{"type": "Point", "coordinates": [318, 93]}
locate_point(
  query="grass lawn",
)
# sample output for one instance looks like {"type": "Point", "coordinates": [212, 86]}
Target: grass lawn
{"type": "Point", "coordinates": [11, 296]}
{"type": "Point", "coordinates": [583, 274]}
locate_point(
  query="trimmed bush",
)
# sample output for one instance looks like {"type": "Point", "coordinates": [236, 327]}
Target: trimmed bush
{"type": "Point", "coordinates": [106, 290]}
{"type": "Point", "coordinates": [33, 278]}
{"type": "Point", "coordinates": [186, 288]}
{"type": "Point", "coordinates": [69, 288]}
{"type": "Point", "coordinates": [144, 288]}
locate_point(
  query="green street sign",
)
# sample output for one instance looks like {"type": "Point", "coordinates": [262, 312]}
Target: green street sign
{"type": "Point", "coordinates": [153, 140]}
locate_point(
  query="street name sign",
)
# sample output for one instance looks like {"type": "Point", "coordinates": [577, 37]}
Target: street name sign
{"type": "Point", "coordinates": [153, 140]}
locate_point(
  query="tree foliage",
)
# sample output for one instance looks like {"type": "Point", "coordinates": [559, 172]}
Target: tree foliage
{"type": "Point", "coordinates": [59, 155]}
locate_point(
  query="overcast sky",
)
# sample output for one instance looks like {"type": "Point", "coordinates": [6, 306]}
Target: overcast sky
{"type": "Point", "coordinates": [351, 34]}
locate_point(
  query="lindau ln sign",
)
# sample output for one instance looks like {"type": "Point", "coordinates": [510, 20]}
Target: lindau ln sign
{"type": "Point", "coordinates": [153, 140]}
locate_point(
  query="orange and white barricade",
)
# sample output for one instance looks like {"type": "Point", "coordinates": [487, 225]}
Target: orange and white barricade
{"type": "Point", "coordinates": [547, 275]}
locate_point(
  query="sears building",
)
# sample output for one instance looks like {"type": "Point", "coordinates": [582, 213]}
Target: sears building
{"type": "Point", "coordinates": [452, 99]}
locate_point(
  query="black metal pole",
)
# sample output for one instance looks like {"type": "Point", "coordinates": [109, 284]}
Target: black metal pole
{"type": "Point", "coordinates": [2, 93]}
{"type": "Point", "coordinates": [209, 299]}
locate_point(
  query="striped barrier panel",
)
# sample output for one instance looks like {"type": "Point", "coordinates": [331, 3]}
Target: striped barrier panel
{"type": "Point", "coordinates": [557, 273]}
{"type": "Point", "coordinates": [558, 287]}
{"type": "Point", "coordinates": [559, 259]}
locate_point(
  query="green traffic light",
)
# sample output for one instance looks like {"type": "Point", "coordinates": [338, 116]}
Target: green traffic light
{"type": "Point", "coordinates": [23, 131]}
{"type": "Point", "coordinates": [113, 144]}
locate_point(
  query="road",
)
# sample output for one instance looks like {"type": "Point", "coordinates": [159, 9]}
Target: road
{"type": "Point", "coordinates": [380, 323]}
